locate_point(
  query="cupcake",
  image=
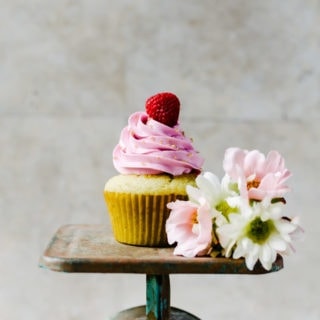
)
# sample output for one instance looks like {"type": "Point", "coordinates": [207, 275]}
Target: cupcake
{"type": "Point", "coordinates": [155, 161]}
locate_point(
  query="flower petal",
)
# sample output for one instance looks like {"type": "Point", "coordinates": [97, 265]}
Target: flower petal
{"type": "Point", "coordinates": [277, 243]}
{"type": "Point", "coordinates": [231, 157]}
{"type": "Point", "coordinates": [253, 163]}
{"type": "Point", "coordinates": [252, 257]}
{"type": "Point", "coordinates": [190, 225]}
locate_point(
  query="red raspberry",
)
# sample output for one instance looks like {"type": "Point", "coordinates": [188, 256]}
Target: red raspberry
{"type": "Point", "coordinates": [164, 107]}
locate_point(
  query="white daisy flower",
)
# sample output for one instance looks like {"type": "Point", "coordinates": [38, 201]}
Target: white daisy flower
{"type": "Point", "coordinates": [215, 192]}
{"type": "Point", "coordinates": [258, 232]}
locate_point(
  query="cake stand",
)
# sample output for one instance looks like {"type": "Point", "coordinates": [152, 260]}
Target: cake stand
{"type": "Point", "coordinates": [92, 249]}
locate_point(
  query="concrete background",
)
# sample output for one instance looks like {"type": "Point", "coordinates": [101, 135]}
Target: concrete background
{"type": "Point", "coordinates": [71, 72]}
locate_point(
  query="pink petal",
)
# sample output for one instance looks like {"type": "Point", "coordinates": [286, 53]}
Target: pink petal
{"type": "Point", "coordinates": [232, 157]}
{"type": "Point", "coordinates": [274, 162]}
{"type": "Point", "coordinates": [253, 162]}
{"type": "Point", "coordinates": [205, 224]}
{"type": "Point", "coordinates": [179, 223]}
{"type": "Point", "coordinates": [180, 228]}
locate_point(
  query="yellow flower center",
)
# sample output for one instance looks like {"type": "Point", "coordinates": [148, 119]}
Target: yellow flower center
{"type": "Point", "coordinates": [194, 218]}
{"type": "Point", "coordinates": [225, 209]}
{"type": "Point", "coordinates": [259, 231]}
{"type": "Point", "coordinates": [253, 184]}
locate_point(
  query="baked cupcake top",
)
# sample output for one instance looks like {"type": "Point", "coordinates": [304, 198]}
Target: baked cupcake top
{"type": "Point", "coordinates": [150, 184]}
{"type": "Point", "coordinates": [153, 143]}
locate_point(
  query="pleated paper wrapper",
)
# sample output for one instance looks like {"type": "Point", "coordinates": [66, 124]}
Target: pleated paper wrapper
{"type": "Point", "coordinates": [138, 219]}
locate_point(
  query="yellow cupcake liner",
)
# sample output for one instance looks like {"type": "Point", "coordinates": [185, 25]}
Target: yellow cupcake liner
{"type": "Point", "coordinates": [139, 219]}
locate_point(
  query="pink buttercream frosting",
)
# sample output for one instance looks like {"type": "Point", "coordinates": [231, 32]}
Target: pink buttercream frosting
{"type": "Point", "coordinates": [147, 146]}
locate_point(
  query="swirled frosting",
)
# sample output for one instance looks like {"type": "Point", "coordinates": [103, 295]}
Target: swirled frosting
{"type": "Point", "coordinates": [147, 146]}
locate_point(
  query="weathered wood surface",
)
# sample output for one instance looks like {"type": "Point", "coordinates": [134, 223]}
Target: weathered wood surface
{"type": "Point", "coordinates": [92, 248]}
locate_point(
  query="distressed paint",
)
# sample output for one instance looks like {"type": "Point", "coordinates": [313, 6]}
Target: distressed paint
{"type": "Point", "coordinates": [138, 313]}
{"type": "Point", "coordinates": [158, 297]}
{"type": "Point", "coordinates": [92, 248]}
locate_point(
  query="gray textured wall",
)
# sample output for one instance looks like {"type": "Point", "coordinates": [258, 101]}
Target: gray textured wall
{"type": "Point", "coordinates": [71, 72]}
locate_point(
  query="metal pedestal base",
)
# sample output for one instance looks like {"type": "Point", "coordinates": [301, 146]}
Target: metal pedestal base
{"type": "Point", "coordinates": [158, 303]}
{"type": "Point", "coordinates": [139, 313]}
{"type": "Point", "coordinates": [93, 249]}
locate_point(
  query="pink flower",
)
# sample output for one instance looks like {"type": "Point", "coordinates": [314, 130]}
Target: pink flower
{"type": "Point", "coordinates": [190, 225]}
{"type": "Point", "coordinates": [258, 176]}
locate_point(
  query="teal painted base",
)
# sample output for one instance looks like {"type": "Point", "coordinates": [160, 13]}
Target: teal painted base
{"type": "Point", "coordinates": [158, 303]}
{"type": "Point", "coordinates": [158, 296]}
{"type": "Point", "coordinates": [139, 313]}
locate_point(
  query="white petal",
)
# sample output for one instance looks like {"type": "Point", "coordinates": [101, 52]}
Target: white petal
{"type": "Point", "coordinates": [276, 210]}
{"type": "Point", "coordinates": [214, 180]}
{"type": "Point", "coordinates": [247, 244]}
{"type": "Point", "coordinates": [234, 201]}
{"type": "Point", "coordinates": [239, 251]}
{"type": "Point", "coordinates": [253, 255]}
{"type": "Point", "coordinates": [267, 256]}
{"type": "Point", "coordinates": [220, 219]}
{"type": "Point", "coordinates": [210, 187]}
{"type": "Point", "coordinates": [277, 243]}
{"type": "Point", "coordinates": [274, 255]}
{"type": "Point", "coordinates": [285, 227]}
{"type": "Point", "coordinates": [266, 264]}
{"type": "Point", "coordinates": [229, 249]}
{"type": "Point", "coordinates": [251, 260]}
{"type": "Point", "coordinates": [207, 182]}
{"type": "Point", "coordinates": [193, 193]}
{"type": "Point", "coordinates": [244, 246]}
{"type": "Point", "coordinates": [265, 253]}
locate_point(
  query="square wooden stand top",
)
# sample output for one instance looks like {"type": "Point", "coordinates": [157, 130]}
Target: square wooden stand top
{"type": "Point", "coordinates": [92, 249]}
